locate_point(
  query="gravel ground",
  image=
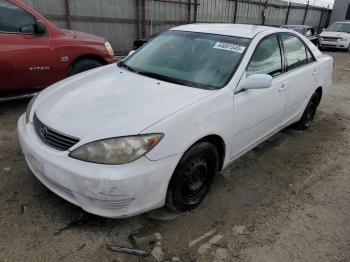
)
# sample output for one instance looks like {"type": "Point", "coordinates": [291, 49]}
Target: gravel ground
{"type": "Point", "coordinates": [286, 200]}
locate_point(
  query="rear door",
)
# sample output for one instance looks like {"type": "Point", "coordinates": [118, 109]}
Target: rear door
{"type": "Point", "coordinates": [259, 112]}
{"type": "Point", "coordinates": [27, 60]}
{"type": "Point", "coordinates": [303, 75]}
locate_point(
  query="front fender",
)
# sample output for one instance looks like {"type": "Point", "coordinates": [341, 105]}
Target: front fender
{"type": "Point", "coordinates": [210, 116]}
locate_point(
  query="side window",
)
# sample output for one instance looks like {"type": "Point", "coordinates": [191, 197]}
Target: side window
{"type": "Point", "coordinates": [295, 52]}
{"type": "Point", "coordinates": [15, 20]}
{"type": "Point", "coordinates": [310, 57]}
{"type": "Point", "coordinates": [266, 58]}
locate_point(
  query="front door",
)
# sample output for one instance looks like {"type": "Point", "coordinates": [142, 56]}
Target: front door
{"type": "Point", "coordinates": [27, 60]}
{"type": "Point", "coordinates": [258, 113]}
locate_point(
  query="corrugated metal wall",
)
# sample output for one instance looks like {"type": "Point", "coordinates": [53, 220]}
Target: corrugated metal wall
{"type": "Point", "coordinates": [123, 21]}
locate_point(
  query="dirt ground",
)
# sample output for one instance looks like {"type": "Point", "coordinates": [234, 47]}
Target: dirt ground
{"type": "Point", "coordinates": [286, 200]}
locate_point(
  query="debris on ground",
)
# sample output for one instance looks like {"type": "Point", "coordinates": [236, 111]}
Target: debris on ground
{"type": "Point", "coordinates": [201, 238]}
{"type": "Point", "coordinates": [130, 251]}
{"type": "Point", "coordinates": [73, 224]}
{"type": "Point", "coordinates": [158, 253]}
{"type": "Point", "coordinates": [221, 254]}
{"type": "Point", "coordinates": [23, 209]}
{"type": "Point", "coordinates": [7, 169]}
{"type": "Point", "coordinates": [158, 236]}
{"type": "Point", "coordinates": [203, 249]}
{"type": "Point", "coordinates": [240, 230]}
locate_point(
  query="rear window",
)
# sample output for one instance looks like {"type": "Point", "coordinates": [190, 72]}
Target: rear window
{"type": "Point", "coordinates": [295, 51]}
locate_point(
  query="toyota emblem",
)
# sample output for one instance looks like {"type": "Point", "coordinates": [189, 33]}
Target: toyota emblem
{"type": "Point", "coordinates": [43, 131]}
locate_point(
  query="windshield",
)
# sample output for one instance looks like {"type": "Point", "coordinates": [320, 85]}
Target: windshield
{"type": "Point", "coordinates": [339, 27]}
{"type": "Point", "coordinates": [187, 58]}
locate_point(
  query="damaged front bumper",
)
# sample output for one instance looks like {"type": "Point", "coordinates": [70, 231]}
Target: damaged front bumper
{"type": "Point", "coordinates": [104, 190]}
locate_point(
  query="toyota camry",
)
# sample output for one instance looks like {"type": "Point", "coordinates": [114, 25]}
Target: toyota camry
{"type": "Point", "coordinates": [156, 128]}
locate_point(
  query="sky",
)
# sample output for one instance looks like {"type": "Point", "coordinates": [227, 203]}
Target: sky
{"type": "Point", "coordinates": [323, 3]}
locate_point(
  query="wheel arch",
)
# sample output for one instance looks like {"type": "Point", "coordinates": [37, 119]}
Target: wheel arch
{"type": "Point", "coordinates": [319, 93]}
{"type": "Point", "coordinates": [219, 144]}
{"type": "Point", "coordinates": [215, 140]}
{"type": "Point", "coordinates": [86, 56]}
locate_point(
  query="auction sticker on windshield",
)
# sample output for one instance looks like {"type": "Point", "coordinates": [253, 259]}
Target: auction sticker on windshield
{"type": "Point", "coordinates": [229, 47]}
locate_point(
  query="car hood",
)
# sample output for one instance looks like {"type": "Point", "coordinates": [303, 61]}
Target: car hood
{"type": "Point", "coordinates": [110, 102]}
{"type": "Point", "coordinates": [334, 34]}
{"type": "Point", "coordinates": [82, 35]}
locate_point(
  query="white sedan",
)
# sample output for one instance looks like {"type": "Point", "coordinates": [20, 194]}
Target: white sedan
{"type": "Point", "coordinates": [157, 128]}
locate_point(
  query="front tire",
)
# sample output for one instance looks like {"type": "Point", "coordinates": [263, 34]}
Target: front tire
{"type": "Point", "coordinates": [193, 177]}
{"type": "Point", "coordinates": [83, 65]}
{"type": "Point", "coordinates": [305, 121]}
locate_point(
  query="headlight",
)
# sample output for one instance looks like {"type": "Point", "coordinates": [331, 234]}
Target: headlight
{"type": "Point", "coordinates": [29, 108]}
{"type": "Point", "coordinates": [321, 39]}
{"type": "Point", "coordinates": [342, 40]}
{"type": "Point", "coordinates": [109, 49]}
{"type": "Point", "coordinates": [117, 151]}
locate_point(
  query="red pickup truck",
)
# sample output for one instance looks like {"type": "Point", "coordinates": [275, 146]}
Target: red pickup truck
{"type": "Point", "coordinates": [34, 53]}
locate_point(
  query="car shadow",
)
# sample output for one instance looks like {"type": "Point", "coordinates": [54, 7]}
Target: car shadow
{"type": "Point", "coordinates": [14, 106]}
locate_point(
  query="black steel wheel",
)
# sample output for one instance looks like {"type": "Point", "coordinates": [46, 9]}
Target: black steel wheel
{"type": "Point", "coordinates": [193, 177]}
{"type": "Point", "coordinates": [309, 113]}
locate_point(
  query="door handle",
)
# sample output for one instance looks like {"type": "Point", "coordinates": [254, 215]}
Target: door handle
{"type": "Point", "coordinates": [283, 88]}
{"type": "Point", "coordinates": [315, 73]}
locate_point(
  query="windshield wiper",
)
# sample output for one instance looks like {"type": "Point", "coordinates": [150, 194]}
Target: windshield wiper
{"type": "Point", "coordinates": [123, 65]}
{"type": "Point", "coordinates": [165, 78]}
{"type": "Point", "coordinates": [176, 81]}
{"type": "Point", "coordinates": [149, 74]}
{"type": "Point", "coordinates": [159, 77]}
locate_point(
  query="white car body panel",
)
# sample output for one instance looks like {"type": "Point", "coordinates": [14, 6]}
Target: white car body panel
{"type": "Point", "coordinates": [110, 102]}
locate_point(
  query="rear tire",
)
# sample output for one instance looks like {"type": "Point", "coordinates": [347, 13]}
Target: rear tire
{"type": "Point", "coordinates": [309, 113]}
{"type": "Point", "coordinates": [193, 177]}
{"type": "Point", "coordinates": [83, 65]}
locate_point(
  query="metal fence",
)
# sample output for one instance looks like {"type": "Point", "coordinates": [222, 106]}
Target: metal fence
{"type": "Point", "coordinates": [123, 21]}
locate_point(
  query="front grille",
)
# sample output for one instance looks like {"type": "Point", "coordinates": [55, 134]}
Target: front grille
{"type": "Point", "coordinates": [52, 137]}
{"type": "Point", "coordinates": [330, 39]}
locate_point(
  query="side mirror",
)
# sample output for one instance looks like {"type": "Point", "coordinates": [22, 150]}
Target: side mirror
{"type": "Point", "coordinates": [27, 29]}
{"type": "Point", "coordinates": [256, 81]}
{"type": "Point", "coordinates": [131, 52]}
{"type": "Point", "coordinates": [40, 27]}
{"type": "Point", "coordinates": [323, 29]}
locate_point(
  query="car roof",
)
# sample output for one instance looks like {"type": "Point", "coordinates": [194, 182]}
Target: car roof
{"type": "Point", "coordinates": [343, 22]}
{"type": "Point", "coordinates": [239, 30]}
{"type": "Point", "coordinates": [300, 26]}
